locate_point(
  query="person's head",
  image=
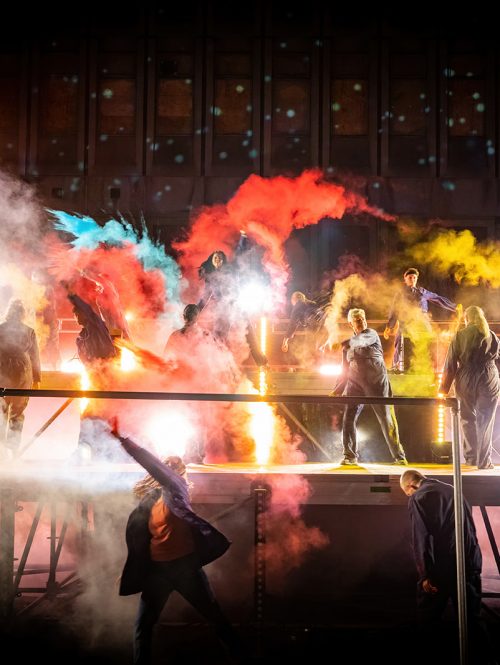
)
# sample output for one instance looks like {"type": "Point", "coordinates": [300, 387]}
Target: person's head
{"type": "Point", "coordinates": [148, 483]}
{"type": "Point", "coordinates": [411, 277]}
{"type": "Point", "coordinates": [410, 481]}
{"type": "Point", "coordinates": [357, 319]}
{"type": "Point", "coordinates": [474, 315]}
{"type": "Point", "coordinates": [297, 296]}
{"type": "Point", "coordinates": [218, 259]}
{"type": "Point", "coordinates": [190, 313]}
{"type": "Point", "coordinates": [16, 311]}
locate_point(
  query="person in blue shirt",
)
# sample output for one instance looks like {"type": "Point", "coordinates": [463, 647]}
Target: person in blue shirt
{"type": "Point", "coordinates": [410, 296]}
{"type": "Point", "coordinates": [364, 373]}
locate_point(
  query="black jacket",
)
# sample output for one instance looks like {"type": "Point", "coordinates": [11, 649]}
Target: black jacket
{"type": "Point", "coordinates": [432, 517]}
{"type": "Point", "coordinates": [209, 543]}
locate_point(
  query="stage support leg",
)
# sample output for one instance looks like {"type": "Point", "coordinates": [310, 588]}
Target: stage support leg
{"type": "Point", "coordinates": [8, 508]}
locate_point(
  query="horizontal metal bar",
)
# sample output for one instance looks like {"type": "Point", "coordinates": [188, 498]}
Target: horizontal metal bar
{"type": "Point", "coordinates": [450, 402]}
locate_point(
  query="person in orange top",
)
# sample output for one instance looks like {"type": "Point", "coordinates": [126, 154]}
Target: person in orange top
{"type": "Point", "coordinates": [168, 545]}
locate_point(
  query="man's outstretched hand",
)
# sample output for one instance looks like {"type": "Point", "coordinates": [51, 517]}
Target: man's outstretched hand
{"type": "Point", "coordinates": [114, 424]}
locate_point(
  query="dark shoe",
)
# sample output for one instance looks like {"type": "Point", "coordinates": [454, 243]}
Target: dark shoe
{"type": "Point", "coordinates": [401, 462]}
{"type": "Point", "coordinates": [487, 466]}
{"type": "Point", "coordinates": [347, 461]}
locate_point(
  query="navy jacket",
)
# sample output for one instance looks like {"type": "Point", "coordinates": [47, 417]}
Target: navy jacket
{"type": "Point", "coordinates": [432, 517]}
{"type": "Point", "coordinates": [363, 367]}
{"type": "Point", "coordinates": [471, 362]}
{"type": "Point", "coordinates": [209, 543]}
{"type": "Point", "coordinates": [419, 296]}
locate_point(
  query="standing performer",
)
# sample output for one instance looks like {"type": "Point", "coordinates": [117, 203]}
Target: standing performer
{"type": "Point", "coordinates": [364, 373]}
{"type": "Point", "coordinates": [19, 368]}
{"type": "Point", "coordinates": [411, 297]}
{"type": "Point", "coordinates": [168, 545]}
{"type": "Point", "coordinates": [471, 363]}
{"type": "Point", "coordinates": [95, 350]}
{"type": "Point", "coordinates": [221, 289]}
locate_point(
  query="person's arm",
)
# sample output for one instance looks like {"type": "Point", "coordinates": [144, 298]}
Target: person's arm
{"type": "Point", "coordinates": [450, 368]}
{"type": "Point", "coordinates": [422, 541]}
{"type": "Point", "coordinates": [441, 301]}
{"type": "Point", "coordinates": [342, 379]}
{"type": "Point", "coordinates": [162, 473]}
{"type": "Point", "coordinates": [392, 319]}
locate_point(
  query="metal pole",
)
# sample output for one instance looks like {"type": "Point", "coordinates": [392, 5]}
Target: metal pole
{"type": "Point", "coordinates": [8, 509]}
{"type": "Point", "coordinates": [459, 536]}
{"type": "Point", "coordinates": [44, 426]}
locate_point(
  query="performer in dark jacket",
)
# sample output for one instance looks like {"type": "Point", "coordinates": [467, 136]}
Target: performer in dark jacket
{"type": "Point", "coordinates": [168, 544]}
{"type": "Point", "coordinates": [221, 290]}
{"type": "Point", "coordinates": [94, 341]}
{"type": "Point", "coordinates": [471, 362]}
{"type": "Point", "coordinates": [432, 515]}
{"type": "Point", "coordinates": [305, 314]}
{"type": "Point", "coordinates": [409, 296]}
{"type": "Point", "coordinates": [364, 373]}
{"type": "Point", "coordinates": [19, 368]}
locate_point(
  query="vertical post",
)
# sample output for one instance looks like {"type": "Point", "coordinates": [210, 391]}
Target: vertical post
{"type": "Point", "coordinates": [260, 497]}
{"type": "Point", "coordinates": [459, 536]}
{"type": "Point", "coordinates": [51, 581]}
{"type": "Point", "coordinates": [7, 530]}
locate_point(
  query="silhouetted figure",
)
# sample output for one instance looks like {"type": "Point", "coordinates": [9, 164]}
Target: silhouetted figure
{"type": "Point", "coordinates": [19, 368]}
{"type": "Point", "coordinates": [471, 363]}
{"type": "Point", "coordinates": [408, 297]}
{"type": "Point", "coordinates": [364, 373]}
{"type": "Point", "coordinates": [168, 545]}
{"type": "Point", "coordinates": [432, 516]}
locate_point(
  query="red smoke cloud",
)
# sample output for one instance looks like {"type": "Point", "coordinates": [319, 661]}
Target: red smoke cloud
{"type": "Point", "coordinates": [141, 292]}
{"type": "Point", "coordinates": [268, 210]}
{"type": "Point", "coordinates": [288, 538]}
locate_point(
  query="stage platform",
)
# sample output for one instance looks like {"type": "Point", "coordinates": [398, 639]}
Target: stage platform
{"type": "Point", "coordinates": [331, 484]}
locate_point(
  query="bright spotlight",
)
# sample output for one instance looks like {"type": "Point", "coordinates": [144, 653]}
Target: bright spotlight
{"type": "Point", "coordinates": [170, 433]}
{"type": "Point", "coordinates": [254, 297]}
{"type": "Point", "coordinates": [330, 370]}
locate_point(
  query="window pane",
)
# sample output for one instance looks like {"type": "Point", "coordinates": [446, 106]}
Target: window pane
{"type": "Point", "coordinates": [175, 107]}
{"type": "Point", "coordinates": [408, 107]}
{"type": "Point", "coordinates": [58, 105]}
{"type": "Point", "coordinates": [291, 106]}
{"type": "Point", "coordinates": [349, 107]}
{"type": "Point", "coordinates": [117, 106]}
{"type": "Point", "coordinates": [232, 107]}
{"type": "Point", "coordinates": [466, 107]}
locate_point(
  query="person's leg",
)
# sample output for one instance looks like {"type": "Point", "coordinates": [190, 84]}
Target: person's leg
{"type": "Point", "coordinates": [349, 439]}
{"type": "Point", "coordinates": [259, 358]}
{"type": "Point", "coordinates": [157, 590]}
{"type": "Point", "coordinates": [192, 583]}
{"type": "Point", "coordinates": [16, 422]}
{"type": "Point", "coordinates": [386, 417]}
{"type": "Point", "coordinates": [469, 427]}
{"type": "Point", "coordinates": [4, 419]}
{"type": "Point", "coordinates": [486, 407]}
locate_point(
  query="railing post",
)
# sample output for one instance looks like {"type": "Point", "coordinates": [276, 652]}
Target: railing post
{"type": "Point", "coordinates": [7, 529]}
{"type": "Point", "coordinates": [459, 536]}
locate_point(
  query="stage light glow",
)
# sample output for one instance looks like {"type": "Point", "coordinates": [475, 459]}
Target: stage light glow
{"type": "Point", "coordinates": [262, 430]}
{"type": "Point", "coordinates": [127, 360]}
{"type": "Point", "coordinates": [254, 297]}
{"type": "Point", "coordinates": [129, 316]}
{"type": "Point", "coordinates": [171, 433]}
{"type": "Point", "coordinates": [330, 370]}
